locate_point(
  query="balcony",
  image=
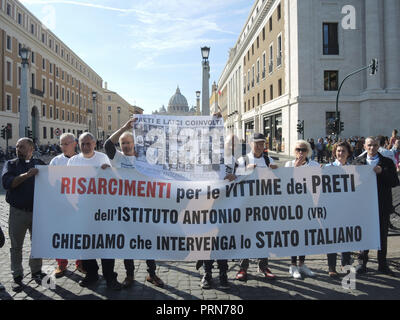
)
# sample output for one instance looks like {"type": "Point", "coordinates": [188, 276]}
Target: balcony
{"type": "Point", "coordinates": [37, 92]}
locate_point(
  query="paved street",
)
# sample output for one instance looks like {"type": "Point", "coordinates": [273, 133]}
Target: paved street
{"type": "Point", "coordinates": [182, 279]}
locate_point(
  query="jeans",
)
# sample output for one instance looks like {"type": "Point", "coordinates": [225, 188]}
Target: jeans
{"type": "Point", "coordinates": [222, 266]}
{"type": "Point", "coordinates": [130, 267]}
{"type": "Point", "coordinates": [384, 220]}
{"type": "Point", "coordinates": [346, 259]}
{"type": "Point", "coordinates": [262, 263]}
{"type": "Point", "coordinates": [91, 267]}
{"type": "Point", "coordinates": [301, 259]}
{"type": "Point", "coordinates": [19, 222]}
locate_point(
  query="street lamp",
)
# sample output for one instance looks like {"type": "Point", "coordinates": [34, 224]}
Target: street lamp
{"type": "Point", "coordinates": [197, 103]}
{"type": "Point", "coordinates": [119, 117]}
{"type": "Point", "coordinates": [338, 126]}
{"type": "Point", "coordinates": [24, 102]}
{"type": "Point", "coordinates": [94, 115]}
{"type": "Point", "coordinates": [205, 52]}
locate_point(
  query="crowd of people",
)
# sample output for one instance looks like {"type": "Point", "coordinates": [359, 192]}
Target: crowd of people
{"type": "Point", "coordinates": [18, 179]}
{"type": "Point", "coordinates": [322, 148]}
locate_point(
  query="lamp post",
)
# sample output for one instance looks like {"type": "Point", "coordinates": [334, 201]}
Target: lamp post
{"type": "Point", "coordinates": [119, 117]}
{"type": "Point", "coordinates": [197, 103]}
{"type": "Point", "coordinates": [373, 65]}
{"type": "Point", "coordinates": [94, 115]}
{"type": "Point", "coordinates": [23, 114]}
{"type": "Point", "coordinates": [205, 103]}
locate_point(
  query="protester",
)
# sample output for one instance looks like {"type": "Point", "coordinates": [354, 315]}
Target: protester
{"type": "Point", "coordinates": [255, 158]}
{"type": "Point", "coordinates": [396, 152]}
{"type": "Point", "coordinates": [2, 240]}
{"type": "Point", "coordinates": [18, 179]}
{"type": "Point", "coordinates": [302, 151]}
{"type": "Point", "coordinates": [68, 148]}
{"type": "Point", "coordinates": [90, 157]}
{"type": "Point", "coordinates": [228, 174]}
{"type": "Point", "coordinates": [342, 152]}
{"type": "Point", "coordinates": [126, 159]}
{"type": "Point", "coordinates": [386, 179]}
{"type": "Point", "coordinates": [393, 139]}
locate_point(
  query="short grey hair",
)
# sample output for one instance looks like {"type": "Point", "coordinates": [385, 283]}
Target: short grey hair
{"type": "Point", "coordinates": [307, 144]}
{"type": "Point", "coordinates": [86, 134]}
{"type": "Point", "coordinates": [67, 135]}
{"type": "Point", "coordinates": [127, 134]}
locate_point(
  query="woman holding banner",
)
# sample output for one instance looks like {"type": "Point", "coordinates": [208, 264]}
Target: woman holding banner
{"type": "Point", "coordinates": [342, 152]}
{"type": "Point", "coordinates": [302, 152]}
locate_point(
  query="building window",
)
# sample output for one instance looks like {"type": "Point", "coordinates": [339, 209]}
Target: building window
{"type": "Point", "coordinates": [270, 24]}
{"type": "Point", "coordinates": [33, 57]}
{"type": "Point", "coordinates": [331, 80]}
{"type": "Point", "coordinates": [62, 115]}
{"type": "Point", "coordinates": [264, 65]}
{"type": "Point", "coordinates": [8, 9]}
{"type": "Point", "coordinates": [44, 132]}
{"type": "Point", "coordinates": [279, 87]}
{"type": "Point", "coordinates": [9, 71]}
{"type": "Point", "coordinates": [9, 43]}
{"type": "Point", "coordinates": [264, 96]}
{"type": "Point", "coordinates": [258, 71]}
{"type": "Point", "coordinates": [9, 102]}
{"type": "Point", "coordinates": [51, 112]}
{"type": "Point", "coordinates": [19, 75]}
{"type": "Point", "coordinates": [109, 108]}
{"type": "Point", "coordinates": [263, 34]}
{"type": "Point", "coordinates": [330, 38]}
{"type": "Point", "coordinates": [271, 59]}
{"type": "Point", "coordinates": [258, 99]}
{"type": "Point", "coordinates": [57, 113]}
{"type": "Point", "coordinates": [279, 52]}
{"type": "Point", "coordinates": [44, 86]}
{"type": "Point", "coordinates": [51, 133]}
{"type": "Point", "coordinates": [43, 110]}
{"type": "Point", "coordinates": [279, 13]}
{"type": "Point", "coordinates": [43, 64]}
{"type": "Point", "coordinates": [271, 91]}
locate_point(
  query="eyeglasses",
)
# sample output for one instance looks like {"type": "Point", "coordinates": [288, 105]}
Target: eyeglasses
{"type": "Point", "coordinates": [301, 149]}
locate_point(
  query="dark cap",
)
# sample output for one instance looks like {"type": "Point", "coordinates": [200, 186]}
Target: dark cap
{"type": "Point", "coordinates": [257, 137]}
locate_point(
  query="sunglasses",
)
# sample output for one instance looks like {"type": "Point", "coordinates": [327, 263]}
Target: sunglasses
{"type": "Point", "coordinates": [301, 149]}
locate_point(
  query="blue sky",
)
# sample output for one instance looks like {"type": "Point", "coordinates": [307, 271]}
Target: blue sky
{"type": "Point", "coordinates": [145, 48]}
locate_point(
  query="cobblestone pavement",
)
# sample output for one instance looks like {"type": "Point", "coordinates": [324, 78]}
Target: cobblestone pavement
{"type": "Point", "coordinates": [182, 279]}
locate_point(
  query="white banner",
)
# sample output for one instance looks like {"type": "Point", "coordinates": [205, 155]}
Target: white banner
{"type": "Point", "coordinates": [84, 213]}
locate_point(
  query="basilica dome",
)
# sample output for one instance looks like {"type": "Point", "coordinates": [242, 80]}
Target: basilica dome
{"type": "Point", "coordinates": [178, 103]}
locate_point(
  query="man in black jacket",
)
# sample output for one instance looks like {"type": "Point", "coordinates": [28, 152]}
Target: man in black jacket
{"type": "Point", "coordinates": [386, 179]}
{"type": "Point", "coordinates": [18, 179]}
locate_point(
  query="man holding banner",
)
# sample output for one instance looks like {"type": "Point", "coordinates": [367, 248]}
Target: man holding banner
{"type": "Point", "coordinates": [18, 179]}
{"type": "Point", "coordinates": [90, 157]}
{"type": "Point", "coordinates": [386, 179]}
{"type": "Point", "coordinates": [126, 159]}
{"type": "Point", "coordinates": [256, 158]}
{"type": "Point", "coordinates": [68, 148]}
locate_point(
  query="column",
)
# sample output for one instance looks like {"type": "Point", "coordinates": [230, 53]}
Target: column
{"type": "Point", "coordinates": [373, 40]}
{"type": "Point", "coordinates": [392, 44]}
